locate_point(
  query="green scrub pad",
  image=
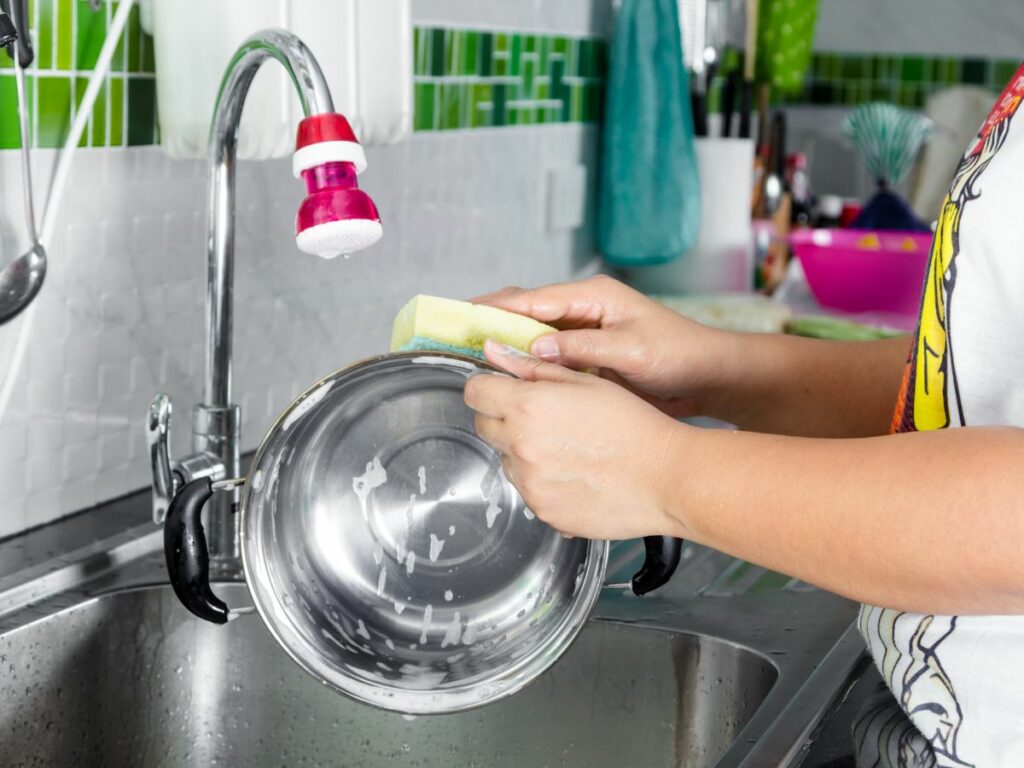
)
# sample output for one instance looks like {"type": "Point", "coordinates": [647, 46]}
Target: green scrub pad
{"type": "Point", "coordinates": [434, 324]}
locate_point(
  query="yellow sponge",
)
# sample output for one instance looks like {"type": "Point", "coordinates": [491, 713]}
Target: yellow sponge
{"type": "Point", "coordinates": [446, 325]}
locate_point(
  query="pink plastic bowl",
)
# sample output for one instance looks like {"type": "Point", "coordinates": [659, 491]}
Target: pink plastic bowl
{"type": "Point", "coordinates": [858, 270]}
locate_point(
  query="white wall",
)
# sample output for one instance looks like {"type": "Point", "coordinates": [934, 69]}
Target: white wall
{"type": "Point", "coordinates": [986, 28]}
{"type": "Point", "coordinates": [121, 314]}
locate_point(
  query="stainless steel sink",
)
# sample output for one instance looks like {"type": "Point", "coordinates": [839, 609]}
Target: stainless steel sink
{"type": "Point", "coordinates": [132, 679]}
{"type": "Point", "coordinates": [100, 666]}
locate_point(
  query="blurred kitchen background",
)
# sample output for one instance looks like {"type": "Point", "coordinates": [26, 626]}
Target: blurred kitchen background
{"type": "Point", "coordinates": [489, 177]}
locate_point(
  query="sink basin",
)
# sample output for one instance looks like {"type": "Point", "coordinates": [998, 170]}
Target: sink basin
{"type": "Point", "coordinates": [130, 678]}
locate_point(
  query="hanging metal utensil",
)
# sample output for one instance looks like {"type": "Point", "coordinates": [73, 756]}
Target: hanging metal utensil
{"type": "Point", "coordinates": [21, 280]}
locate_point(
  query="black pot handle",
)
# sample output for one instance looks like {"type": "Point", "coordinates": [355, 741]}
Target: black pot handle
{"type": "Point", "coordinates": [188, 561]}
{"type": "Point", "coordinates": [663, 553]}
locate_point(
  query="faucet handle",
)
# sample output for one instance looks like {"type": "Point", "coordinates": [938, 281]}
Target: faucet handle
{"type": "Point", "coordinates": [158, 435]}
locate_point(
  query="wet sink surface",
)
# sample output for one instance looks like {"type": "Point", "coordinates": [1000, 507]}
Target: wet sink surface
{"type": "Point", "coordinates": [132, 679]}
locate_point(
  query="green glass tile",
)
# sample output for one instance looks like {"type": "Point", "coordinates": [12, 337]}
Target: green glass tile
{"type": "Point", "coordinates": [541, 90]}
{"type": "Point", "coordinates": [141, 111]}
{"type": "Point", "coordinates": [81, 83]}
{"type": "Point", "coordinates": [44, 35]}
{"type": "Point", "coordinates": [880, 92]}
{"type": "Point", "coordinates": [499, 114]}
{"type": "Point", "coordinates": [449, 106]}
{"type": "Point", "coordinates": [424, 97]}
{"type": "Point", "coordinates": [560, 45]}
{"type": "Point", "coordinates": [572, 58]}
{"type": "Point", "coordinates": [576, 111]}
{"type": "Point", "coordinates": [501, 42]}
{"type": "Point", "coordinates": [54, 110]}
{"type": "Point", "coordinates": [529, 71]}
{"type": "Point", "coordinates": [483, 94]}
{"type": "Point", "coordinates": [437, 52]}
{"type": "Point", "coordinates": [134, 51]}
{"type": "Point", "coordinates": [452, 45]}
{"type": "Point", "coordinates": [10, 131]}
{"type": "Point", "coordinates": [852, 68]}
{"type": "Point", "coordinates": [601, 58]}
{"type": "Point", "coordinates": [99, 115]}
{"type": "Point", "coordinates": [559, 90]}
{"type": "Point", "coordinates": [586, 53]}
{"type": "Point", "coordinates": [119, 60]}
{"type": "Point", "coordinates": [515, 55]}
{"type": "Point", "coordinates": [906, 98]}
{"type": "Point", "coordinates": [471, 54]}
{"type": "Point", "coordinates": [89, 36]}
{"type": "Point", "coordinates": [912, 69]}
{"type": "Point", "coordinates": [830, 66]}
{"type": "Point", "coordinates": [116, 111]}
{"type": "Point", "coordinates": [530, 43]}
{"type": "Point", "coordinates": [544, 55]}
{"type": "Point", "coordinates": [65, 34]}
{"type": "Point", "coordinates": [148, 54]}
{"type": "Point", "coordinates": [880, 67]}
{"type": "Point", "coordinates": [485, 61]}
{"type": "Point", "coordinates": [1002, 71]}
{"type": "Point", "coordinates": [953, 73]}
{"type": "Point", "coordinates": [501, 66]}
{"type": "Point", "coordinates": [974, 71]}
{"type": "Point", "coordinates": [420, 40]}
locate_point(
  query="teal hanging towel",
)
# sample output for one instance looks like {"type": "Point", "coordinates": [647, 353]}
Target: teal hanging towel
{"type": "Point", "coordinates": [649, 210]}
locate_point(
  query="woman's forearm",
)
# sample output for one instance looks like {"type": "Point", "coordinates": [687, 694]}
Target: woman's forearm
{"type": "Point", "coordinates": [808, 387]}
{"type": "Point", "coordinates": [928, 522]}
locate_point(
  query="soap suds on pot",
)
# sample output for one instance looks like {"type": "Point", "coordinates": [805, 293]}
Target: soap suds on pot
{"type": "Point", "coordinates": [374, 477]}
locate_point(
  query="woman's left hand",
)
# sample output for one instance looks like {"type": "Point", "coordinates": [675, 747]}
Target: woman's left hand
{"type": "Point", "coordinates": [589, 458]}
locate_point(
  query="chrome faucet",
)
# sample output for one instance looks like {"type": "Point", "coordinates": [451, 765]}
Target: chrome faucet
{"type": "Point", "coordinates": [216, 421]}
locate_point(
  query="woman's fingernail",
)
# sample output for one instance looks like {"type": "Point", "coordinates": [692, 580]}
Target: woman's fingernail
{"type": "Point", "coordinates": [546, 348]}
{"type": "Point", "coordinates": [504, 349]}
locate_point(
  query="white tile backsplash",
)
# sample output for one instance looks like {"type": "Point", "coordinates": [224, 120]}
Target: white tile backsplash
{"type": "Point", "coordinates": [984, 28]}
{"type": "Point", "coordinates": [121, 315]}
{"type": "Point", "coordinates": [580, 17]}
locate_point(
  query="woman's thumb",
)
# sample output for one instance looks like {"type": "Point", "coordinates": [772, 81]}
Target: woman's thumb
{"type": "Point", "coordinates": [586, 348]}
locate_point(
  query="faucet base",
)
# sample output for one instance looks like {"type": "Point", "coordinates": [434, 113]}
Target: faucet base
{"type": "Point", "coordinates": [215, 433]}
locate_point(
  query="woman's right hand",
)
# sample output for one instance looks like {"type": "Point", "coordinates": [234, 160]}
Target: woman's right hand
{"type": "Point", "coordinates": [670, 361]}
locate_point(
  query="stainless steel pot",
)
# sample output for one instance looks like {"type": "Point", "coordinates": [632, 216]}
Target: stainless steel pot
{"type": "Point", "coordinates": [386, 551]}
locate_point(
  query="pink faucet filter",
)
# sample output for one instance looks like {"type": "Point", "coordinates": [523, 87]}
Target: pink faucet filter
{"type": "Point", "coordinates": [336, 217]}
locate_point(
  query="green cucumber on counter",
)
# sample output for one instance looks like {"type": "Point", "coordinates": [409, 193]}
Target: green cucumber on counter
{"type": "Point", "coordinates": [821, 327]}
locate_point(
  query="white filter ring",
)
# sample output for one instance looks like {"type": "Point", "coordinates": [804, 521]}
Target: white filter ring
{"type": "Point", "coordinates": [312, 155]}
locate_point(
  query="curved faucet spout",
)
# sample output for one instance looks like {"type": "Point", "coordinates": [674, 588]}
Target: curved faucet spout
{"type": "Point", "coordinates": [216, 424]}
{"type": "Point", "coordinates": [315, 98]}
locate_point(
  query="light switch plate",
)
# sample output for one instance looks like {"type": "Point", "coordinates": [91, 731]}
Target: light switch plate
{"type": "Point", "coordinates": [567, 197]}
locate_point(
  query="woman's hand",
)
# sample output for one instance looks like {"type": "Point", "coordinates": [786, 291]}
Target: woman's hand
{"type": "Point", "coordinates": [588, 457]}
{"type": "Point", "coordinates": [671, 362]}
